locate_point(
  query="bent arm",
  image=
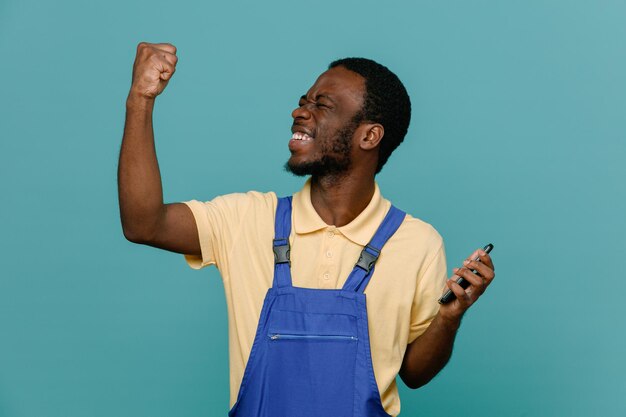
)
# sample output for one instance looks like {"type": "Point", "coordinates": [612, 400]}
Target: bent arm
{"type": "Point", "coordinates": [145, 218]}
{"type": "Point", "coordinates": [429, 353]}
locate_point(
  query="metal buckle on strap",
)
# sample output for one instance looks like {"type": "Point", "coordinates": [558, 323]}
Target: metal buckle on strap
{"type": "Point", "coordinates": [281, 251]}
{"type": "Point", "coordinates": [368, 259]}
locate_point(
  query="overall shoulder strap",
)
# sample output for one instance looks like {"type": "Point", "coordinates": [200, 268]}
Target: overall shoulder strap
{"type": "Point", "coordinates": [282, 230]}
{"type": "Point", "coordinates": [364, 268]}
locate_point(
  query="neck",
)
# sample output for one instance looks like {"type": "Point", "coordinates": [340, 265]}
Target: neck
{"type": "Point", "coordinates": [339, 200]}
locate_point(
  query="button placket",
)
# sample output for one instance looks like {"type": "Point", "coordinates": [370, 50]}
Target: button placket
{"type": "Point", "coordinates": [326, 277]}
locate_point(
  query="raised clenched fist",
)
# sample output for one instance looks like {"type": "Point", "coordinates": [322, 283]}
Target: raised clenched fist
{"type": "Point", "coordinates": [155, 64]}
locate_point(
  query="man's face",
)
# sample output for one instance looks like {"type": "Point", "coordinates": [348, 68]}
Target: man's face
{"type": "Point", "coordinates": [324, 124]}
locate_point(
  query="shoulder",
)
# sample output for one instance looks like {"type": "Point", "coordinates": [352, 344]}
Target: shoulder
{"type": "Point", "coordinates": [418, 229]}
{"type": "Point", "coordinates": [414, 234]}
{"type": "Point", "coordinates": [234, 209]}
{"type": "Point", "coordinates": [247, 198]}
{"type": "Point", "coordinates": [242, 202]}
{"type": "Point", "coordinates": [418, 241]}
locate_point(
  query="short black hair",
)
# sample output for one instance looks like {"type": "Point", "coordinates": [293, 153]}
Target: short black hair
{"type": "Point", "coordinates": [386, 102]}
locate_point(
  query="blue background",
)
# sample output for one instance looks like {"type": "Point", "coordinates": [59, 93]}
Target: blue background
{"type": "Point", "coordinates": [518, 137]}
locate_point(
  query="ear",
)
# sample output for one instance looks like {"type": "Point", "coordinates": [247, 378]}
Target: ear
{"type": "Point", "coordinates": [372, 135]}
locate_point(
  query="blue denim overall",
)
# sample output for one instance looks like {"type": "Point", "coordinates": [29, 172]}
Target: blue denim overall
{"type": "Point", "coordinates": [311, 353]}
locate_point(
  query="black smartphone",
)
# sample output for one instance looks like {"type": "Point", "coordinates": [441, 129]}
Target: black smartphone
{"type": "Point", "coordinates": [449, 295]}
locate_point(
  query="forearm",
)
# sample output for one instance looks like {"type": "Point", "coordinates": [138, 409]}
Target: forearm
{"type": "Point", "coordinates": [139, 181]}
{"type": "Point", "coordinates": [429, 353]}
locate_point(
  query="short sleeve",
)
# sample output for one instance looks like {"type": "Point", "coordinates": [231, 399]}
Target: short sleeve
{"type": "Point", "coordinates": [202, 215]}
{"type": "Point", "coordinates": [220, 222]}
{"type": "Point", "coordinates": [429, 289]}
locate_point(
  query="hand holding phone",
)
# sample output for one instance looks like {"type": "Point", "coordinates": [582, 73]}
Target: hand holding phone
{"type": "Point", "coordinates": [449, 295]}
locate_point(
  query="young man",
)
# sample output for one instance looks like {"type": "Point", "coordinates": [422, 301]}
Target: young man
{"type": "Point", "coordinates": [304, 340]}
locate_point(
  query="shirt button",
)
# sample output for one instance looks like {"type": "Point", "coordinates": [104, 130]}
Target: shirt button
{"type": "Point", "coordinates": [331, 234]}
{"type": "Point", "coordinates": [326, 276]}
{"type": "Point", "coordinates": [329, 254]}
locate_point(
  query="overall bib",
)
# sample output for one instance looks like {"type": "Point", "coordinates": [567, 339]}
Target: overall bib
{"type": "Point", "coordinates": [311, 353]}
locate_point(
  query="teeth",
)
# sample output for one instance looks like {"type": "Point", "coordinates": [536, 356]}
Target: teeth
{"type": "Point", "coordinates": [301, 136]}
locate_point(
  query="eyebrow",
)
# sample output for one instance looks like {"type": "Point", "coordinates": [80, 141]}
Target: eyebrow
{"type": "Point", "coordinates": [303, 97]}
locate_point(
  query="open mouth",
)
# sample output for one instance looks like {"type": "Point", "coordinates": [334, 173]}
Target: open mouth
{"type": "Point", "coordinates": [301, 136]}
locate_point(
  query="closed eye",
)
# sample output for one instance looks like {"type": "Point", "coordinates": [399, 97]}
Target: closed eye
{"type": "Point", "coordinates": [303, 101]}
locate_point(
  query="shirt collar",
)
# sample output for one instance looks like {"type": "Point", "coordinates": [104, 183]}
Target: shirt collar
{"type": "Point", "coordinates": [360, 230]}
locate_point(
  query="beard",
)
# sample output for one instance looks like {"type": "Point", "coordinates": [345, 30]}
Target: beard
{"type": "Point", "coordinates": [336, 155]}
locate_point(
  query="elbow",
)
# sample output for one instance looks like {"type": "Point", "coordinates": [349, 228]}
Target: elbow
{"type": "Point", "coordinates": [135, 234]}
{"type": "Point", "coordinates": [140, 226]}
{"type": "Point", "coordinates": [412, 386]}
{"type": "Point", "coordinates": [415, 382]}
{"type": "Point", "coordinates": [132, 236]}
{"type": "Point", "coordinates": [416, 378]}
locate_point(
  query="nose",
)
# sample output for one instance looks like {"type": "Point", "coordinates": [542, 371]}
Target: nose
{"type": "Point", "coordinates": [301, 112]}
